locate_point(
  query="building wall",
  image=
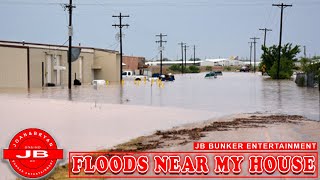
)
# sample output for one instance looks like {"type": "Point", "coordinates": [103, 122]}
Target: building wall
{"type": "Point", "coordinates": [87, 73]}
{"type": "Point", "coordinates": [13, 67]}
{"type": "Point", "coordinates": [39, 56]}
{"type": "Point", "coordinates": [109, 66]}
{"type": "Point", "coordinates": [132, 62]}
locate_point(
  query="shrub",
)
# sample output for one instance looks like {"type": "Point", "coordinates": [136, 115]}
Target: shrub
{"type": "Point", "coordinates": [208, 68]}
{"type": "Point", "coordinates": [194, 69]}
{"type": "Point", "coordinates": [175, 68]}
{"type": "Point", "coordinates": [285, 69]}
{"type": "Point", "coordinates": [269, 62]}
{"type": "Point", "coordinates": [227, 68]}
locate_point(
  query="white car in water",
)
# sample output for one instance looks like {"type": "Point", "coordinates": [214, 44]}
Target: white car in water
{"type": "Point", "coordinates": [129, 75]}
{"type": "Point", "coordinates": [98, 82]}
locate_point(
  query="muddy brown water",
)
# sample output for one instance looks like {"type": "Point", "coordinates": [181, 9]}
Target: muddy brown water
{"type": "Point", "coordinates": [228, 94]}
{"type": "Point", "coordinates": [89, 118]}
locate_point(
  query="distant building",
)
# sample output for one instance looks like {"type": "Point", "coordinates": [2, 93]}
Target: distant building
{"type": "Point", "coordinates": [170, 63]}
{"type": "Point", "coordinates": [134, 63]}
{"type": "Point", "coordinates": [33, 65]}
{"type": "Point", "coordinates": [225, 62]}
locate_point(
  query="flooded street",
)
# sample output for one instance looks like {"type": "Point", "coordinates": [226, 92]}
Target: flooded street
{"type": "Point", "coordinates": [228, 94]}
{"type": "Point", "coordinates": [108, 115]}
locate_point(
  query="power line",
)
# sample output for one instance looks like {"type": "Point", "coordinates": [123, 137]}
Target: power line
{"type": "Point", "coordinates": [161, 48]}
{"type": "Point", "coordinates": [194, 3]}
{"type": "Point", "coordinates": [182, 44]}
{"type": "Point", "coordinates": [194, 54]}
{"type": "Point", "coordinates": [265, 35]}
{"type": "Point", "coordinates": [254, 53]}
{"type": "Point", "coordinates": [153, 3]}
{"type": "Point", "coordinates": [250, 52]}
{"type": "Point", "coordinates": [282, 6]}
{"type": "Point", "coordinates": [185, 55]}
{"type": "Point", "coordinates": [155, 56]}
{"type": "Point", "coordinates": [120, 26]}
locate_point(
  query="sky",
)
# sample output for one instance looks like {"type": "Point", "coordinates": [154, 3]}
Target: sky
{"type": "Point", "coordinates": [218, 28]}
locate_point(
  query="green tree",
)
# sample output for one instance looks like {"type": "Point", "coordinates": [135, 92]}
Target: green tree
{"type": "Point", "coordinates": [286, 69]}
{"type": "Point", "coordinates": [270, 60]}
{"type": "Point", "coordinates": [175, 68]}
{"type": "Point", "coordinates": [194, 69]}
{"type": "Point", "coordinates": [305, 63]}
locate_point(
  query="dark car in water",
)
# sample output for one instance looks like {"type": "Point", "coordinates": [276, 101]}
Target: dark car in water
{"type": "Point", "coordinates": [218, 73]}
{"type": "Point", "coordinates": [244, 69]}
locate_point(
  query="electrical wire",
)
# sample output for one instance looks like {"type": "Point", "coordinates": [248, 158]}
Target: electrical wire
{"type": "Point", "coordinates": [157, 3]}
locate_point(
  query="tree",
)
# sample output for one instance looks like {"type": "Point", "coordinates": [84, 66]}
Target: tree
{"type": "Point", "coordinates": [175, 67]}
{"type": "Point", "coordinates": [194, 69]}
{"type": "Point", "coordinates": [286, 69]}
{"type": "Point", "coordinates": [269, 62]}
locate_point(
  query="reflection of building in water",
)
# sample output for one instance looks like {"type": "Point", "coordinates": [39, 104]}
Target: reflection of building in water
{"type": "Point", "coordinates": [36, 65]}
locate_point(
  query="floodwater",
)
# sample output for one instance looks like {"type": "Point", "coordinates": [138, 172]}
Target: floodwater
{"type": "Point", "coordinates": [228, 94]}
{"type": "Point", "coordinates": [91, 118]}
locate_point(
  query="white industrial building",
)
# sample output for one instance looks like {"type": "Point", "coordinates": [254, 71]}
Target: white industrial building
{"type": "Point", "coordinates": [206, 62]}
{"type": "Point", "coordinates": [170, 63]}
{"type": "Point", "coordinates": [225, 62]}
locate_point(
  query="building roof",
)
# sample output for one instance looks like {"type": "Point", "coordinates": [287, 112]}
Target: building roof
{"type": "Point", "coordinates": [154, 63]}
{"type": "Point", "coordinates": [216, 60]}
{"type": "Point", "coordinates": [48, 46]}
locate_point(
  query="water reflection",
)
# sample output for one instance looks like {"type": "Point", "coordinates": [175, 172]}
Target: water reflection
{"type": "Point", "coordinates": [70, 94]}
{"type": "Point", "coordinates": [151, 96]}
{"type": "Point", "coordinates": [121, 100]}
{"type": "Point", "coordinates": [279, 95]}
{"type": "Point", "coordinates": [286, 97]}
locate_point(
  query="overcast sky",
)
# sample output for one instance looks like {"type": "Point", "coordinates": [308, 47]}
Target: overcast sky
{"type": "Point", "coordinates": [217, 27]}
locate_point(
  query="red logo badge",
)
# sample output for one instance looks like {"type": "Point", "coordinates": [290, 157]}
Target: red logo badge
{"type": "Point", "coordinates": [33, 153]}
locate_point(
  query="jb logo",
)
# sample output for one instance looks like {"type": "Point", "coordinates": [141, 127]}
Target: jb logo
{"type": "Point", "coordinates": [36, 154]}
{"type": "Point", "coordinates": [33, 153]}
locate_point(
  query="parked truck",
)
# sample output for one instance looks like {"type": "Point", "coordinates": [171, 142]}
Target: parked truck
{"type": "Point", "coordinates": [130, 75]}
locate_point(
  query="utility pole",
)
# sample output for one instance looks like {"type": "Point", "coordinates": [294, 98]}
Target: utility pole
{"type": "Point", "coordinates": [185, 55]}
{"type": "Point", "coordinates": [254, 53]}
{"type": "Point", "coordinates": [120, 26]}
{"type": "Point", "coordinates": [282, 6]}
{"type": "Point", "coordinates": [182, 44]}
{"type": "Point", "coordinates": [305, 51]}
{"type": "Point", "coordinates": [250, 53]}
{"type": "Point", "coordinates": [194, 54]}
{"type": "Point", "coordinates": [70, 33]}
{"type": "Point", "coordinates": [265, 35]}
{"type": "Point", "coordinates": [161, 48]}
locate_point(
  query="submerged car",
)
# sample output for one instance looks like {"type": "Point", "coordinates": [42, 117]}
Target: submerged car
{"type": "Point", "coordinates": [211, 74]}
{"type": "Point", "coordinates": [98, 82]}
{"type": "Point", "coordinates": [167, 77]}
{"type": "Point", "coordinates": [244, 69]}
{"type": "Point", "coordinates": [218, 73]}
